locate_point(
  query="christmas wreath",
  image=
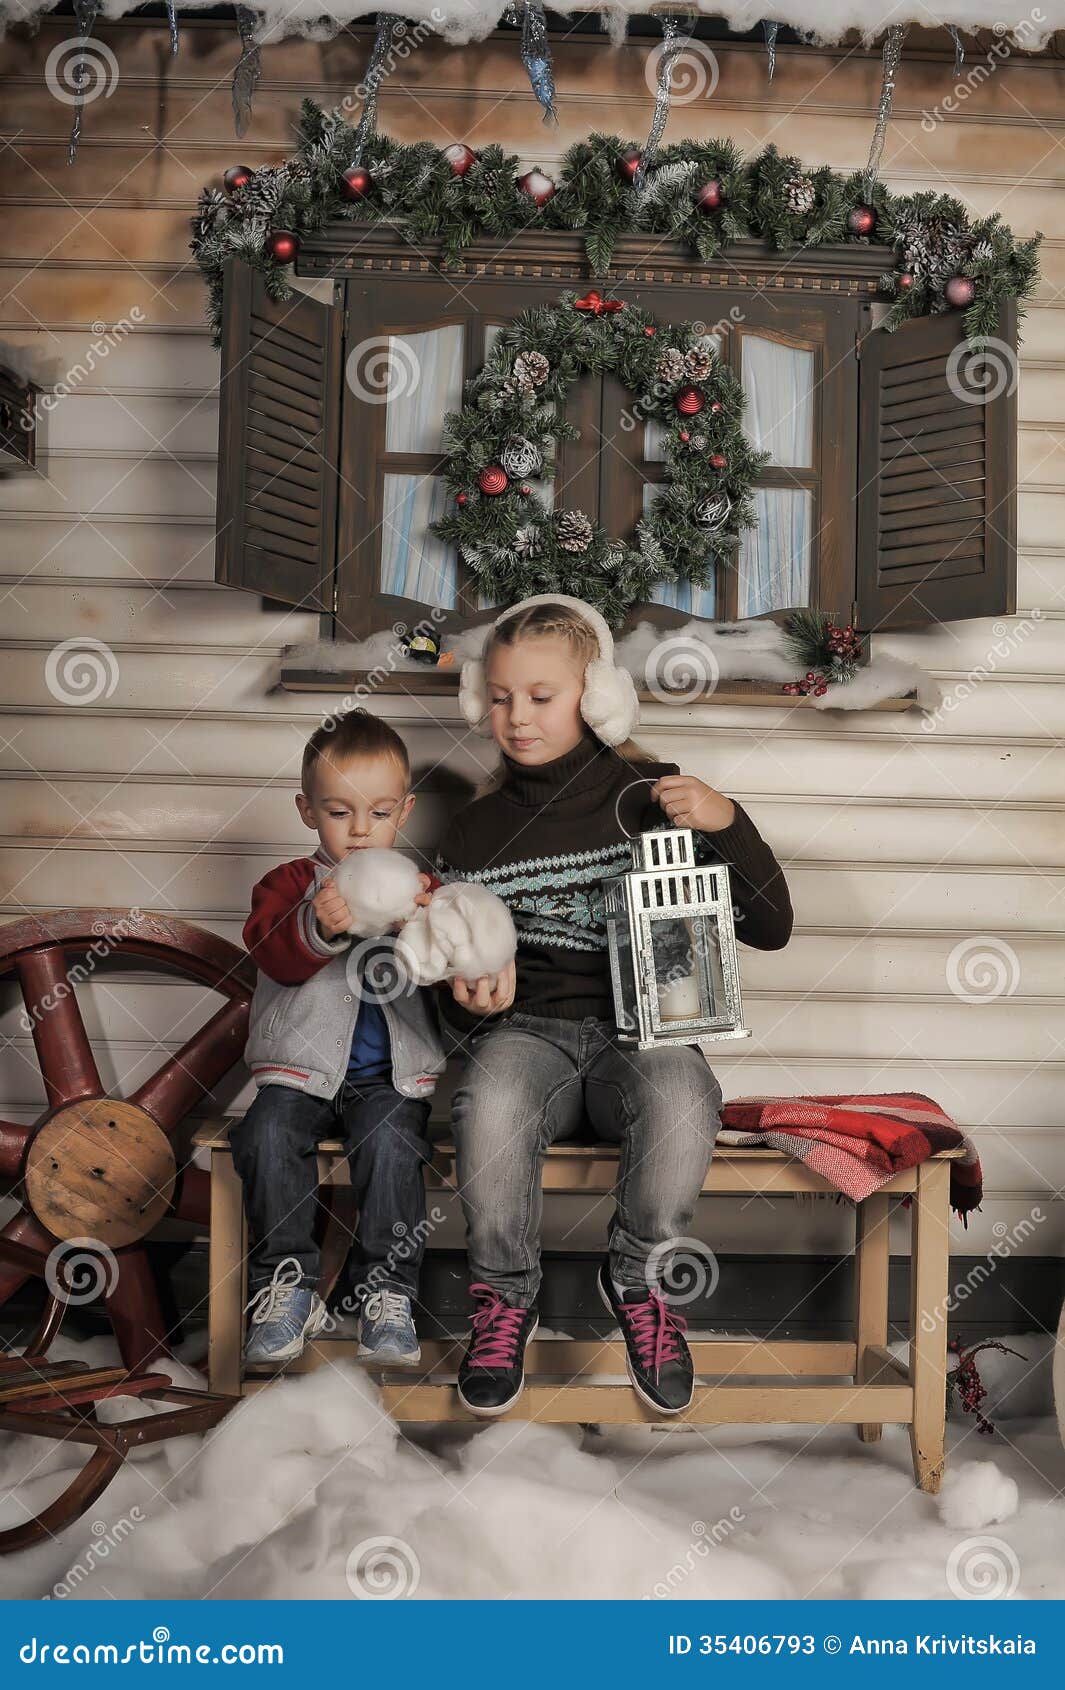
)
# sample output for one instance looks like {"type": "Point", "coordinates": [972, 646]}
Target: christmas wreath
{"type": "Point", "coordinates": [502, 439]}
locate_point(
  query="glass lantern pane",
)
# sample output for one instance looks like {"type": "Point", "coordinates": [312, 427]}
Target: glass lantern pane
{"type": "Point", "coordinates": [415, 564]}
{"type": "Point", "coordinates": [774, 560]}
{"type": "Point", "coordinates": [622, 974]}
{"type": "Point", "coordinates": [779, 384]}
{"type": "Point", "coordinates": [681, 595]}
{"type": "Point", "coordinates": [423, 380]}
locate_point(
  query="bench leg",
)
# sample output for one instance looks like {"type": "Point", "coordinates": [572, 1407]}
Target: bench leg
{"type": "Point", "coordinates": [871, 1264]}
{"type": "Point", "coordinates": [929, 1277]}
{"type": "Point", "coordinates": [226, 1274]}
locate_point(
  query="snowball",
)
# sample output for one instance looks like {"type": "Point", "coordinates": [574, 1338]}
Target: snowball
{"type": "Point", "coordinates": [464, 932]}
{"type": "Point", "coordinates": [379, 888]}
{"type": "Point", "coordinates": [976, 1494]}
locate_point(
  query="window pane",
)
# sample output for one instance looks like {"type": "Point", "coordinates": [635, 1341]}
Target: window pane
{"type": "Point", "coordinates": [681, 595]}
{"type": "Point", "coordinates": [424, 379]}
{"type": "Point", "coordinates": [779, 384]}
{"type": "Point", "coordinates": [774, 560]}
{"type": "Point", "coordinates": [415, 564]}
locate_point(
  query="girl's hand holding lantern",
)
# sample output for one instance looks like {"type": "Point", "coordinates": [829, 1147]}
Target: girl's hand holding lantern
{"type": "Point", "coordinates": [689, 802]}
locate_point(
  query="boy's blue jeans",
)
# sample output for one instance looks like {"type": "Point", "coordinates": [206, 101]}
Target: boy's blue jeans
{"type": "Point", "coordinates": [532, 1080]}
{"type": "Point", "coordinates": [274, 1155]}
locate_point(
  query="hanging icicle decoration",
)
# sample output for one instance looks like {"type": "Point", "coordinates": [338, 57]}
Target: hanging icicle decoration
{"type": "Point", "coordinates": [892, 57]}
{"type": "Point", "coordinates": [672, 42]}
{"type": "Point", "coordinates": [536, 57]}
{"type": "Point", "coordinates": [171, 13]}
{"type": "Point", "coordinates": [771, 31]}
{"type": "Point", "coordinates": [959, 48]}
{"type": "Point", "coordinates": [82, 67]}
{"type": "Point", "coordinates": [387, 23]}
{"type": "Point", "coordinates": [248, 69]}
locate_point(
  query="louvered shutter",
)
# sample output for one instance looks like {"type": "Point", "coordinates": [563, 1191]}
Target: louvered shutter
{"type": "Point", "coordinates": [937, 476]}
{"type": "Point", "coordinates": [278, 435]}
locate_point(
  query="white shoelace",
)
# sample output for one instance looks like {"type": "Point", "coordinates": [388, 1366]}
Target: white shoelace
{"type": "Point", "coordinates": [392, 1304]}
{"type": "Point", "coordinates": [276, 1298]}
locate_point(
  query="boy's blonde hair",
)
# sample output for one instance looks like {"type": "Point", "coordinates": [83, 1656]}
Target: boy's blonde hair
{"type": "Point", "coordinates": [358, 734]}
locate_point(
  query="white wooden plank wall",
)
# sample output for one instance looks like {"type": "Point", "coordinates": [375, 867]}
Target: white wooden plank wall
{"type": "Point", "coordinates": [908, 851]}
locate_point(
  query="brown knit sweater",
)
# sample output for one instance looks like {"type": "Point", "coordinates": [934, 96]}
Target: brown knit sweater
{"type": "Point", "coordinates": [546, 839]}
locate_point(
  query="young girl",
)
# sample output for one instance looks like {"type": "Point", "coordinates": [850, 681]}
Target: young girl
{"type": "Point", "coordinates": [542, 1040]}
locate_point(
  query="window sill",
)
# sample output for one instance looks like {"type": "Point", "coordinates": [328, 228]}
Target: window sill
{"type": "Point", "coordinates": [443, 683]}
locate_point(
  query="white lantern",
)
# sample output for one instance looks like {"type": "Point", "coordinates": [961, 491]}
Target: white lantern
{"type": "Point", "coordinates": [672, 943]}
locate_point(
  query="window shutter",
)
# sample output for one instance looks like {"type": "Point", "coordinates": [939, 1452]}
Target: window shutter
{"type": "Point", "coordinates": [937, 476]}
{"type": "Point", "coordinates": [278, 438]}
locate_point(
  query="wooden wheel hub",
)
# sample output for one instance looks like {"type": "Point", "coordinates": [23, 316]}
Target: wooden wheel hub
{"type": "Point", "coordinates": [100, 1169]}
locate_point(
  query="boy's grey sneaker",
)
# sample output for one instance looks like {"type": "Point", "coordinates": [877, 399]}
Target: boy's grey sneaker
{"type": "Point", "coordinates": [386, 1330]}
{"type": "Point", "coordinates": [282, 1316]}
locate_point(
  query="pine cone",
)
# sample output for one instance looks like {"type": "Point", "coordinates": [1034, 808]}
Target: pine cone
{"type": "Point", "coordinates": [799, 195]}
{"type": "Point", "coordinates": [670, 366]}
{"type": "Point", "coordinates": [698, 363]}
{"type": "Point", "coordinates": [531, 370]}
{"type": "Point", "coordinates": [574, 531]}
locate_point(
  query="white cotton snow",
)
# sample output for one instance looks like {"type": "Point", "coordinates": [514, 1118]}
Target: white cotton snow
{"type": "Point", "coordinates": [379, 888]}
{"type": "Point", "coordinates": [975, 1494]}
{"type": "Point", "coordinates": [464, 933]}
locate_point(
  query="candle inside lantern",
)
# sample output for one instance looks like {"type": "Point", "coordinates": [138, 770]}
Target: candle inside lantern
{"type": "Point", "coordinates": [678, 1000]}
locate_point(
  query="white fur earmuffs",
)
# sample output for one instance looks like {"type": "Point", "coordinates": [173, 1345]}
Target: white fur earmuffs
{"type": "Point", "coordinates": [609, 704]}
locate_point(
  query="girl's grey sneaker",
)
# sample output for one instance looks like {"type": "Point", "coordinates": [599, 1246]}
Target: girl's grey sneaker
{"type": "Point", "coordinates": [386, 1330]}
{"type": "Point", "coordinates": [282, 1316]}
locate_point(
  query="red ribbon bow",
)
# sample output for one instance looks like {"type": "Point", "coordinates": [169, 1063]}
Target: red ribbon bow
{"type": "Point", "coordinates": [597, 305]}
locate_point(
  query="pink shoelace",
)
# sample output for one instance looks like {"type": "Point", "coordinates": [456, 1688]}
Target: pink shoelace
{"type": "Point", "coordinates": [496, 1327]}
{"type": "Point", "coordinates": [656, 1330]}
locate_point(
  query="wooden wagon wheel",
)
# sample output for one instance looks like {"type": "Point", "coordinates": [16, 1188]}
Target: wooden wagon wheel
{"type": "Point", "coordinates": [103, 1168]}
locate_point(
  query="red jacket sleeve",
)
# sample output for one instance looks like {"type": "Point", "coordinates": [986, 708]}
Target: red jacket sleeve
{"type": "Point", "coordinates": [281, 932]}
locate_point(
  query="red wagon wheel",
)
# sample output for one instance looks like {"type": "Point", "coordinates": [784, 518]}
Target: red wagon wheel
{"type": "Point", "coordinates": [101, 1168]}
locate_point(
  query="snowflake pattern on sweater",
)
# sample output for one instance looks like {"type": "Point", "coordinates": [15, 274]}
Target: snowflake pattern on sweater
{"type": "Point", "coordinates": [554, 900]}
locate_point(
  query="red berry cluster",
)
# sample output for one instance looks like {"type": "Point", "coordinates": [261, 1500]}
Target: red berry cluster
{"type": "Point", "coordinates": [811, 682]}
{"type": "Point", "coordinates": [965, 1378]}
{"type": "Point", "coordinates": [843, 642]}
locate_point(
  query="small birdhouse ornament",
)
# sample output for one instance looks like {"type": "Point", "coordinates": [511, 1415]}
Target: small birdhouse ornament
{"type": "Point", "coordinates": [672, 945]}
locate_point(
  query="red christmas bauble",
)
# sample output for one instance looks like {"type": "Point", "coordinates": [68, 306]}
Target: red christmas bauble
{"type": "Point", "coordinates": [716, 406]}
{"type": "Point", "coordinates": [960, 291]}
{"type": "Point", "coordinates": [648, 331]}
{"type": "Point", "coordinates": [237, 176]}
{"type": "Point", "coordinates": [493, 480]}
{"type": "Point", "coordinates": [684, 435]}
{"type": "Point", "coordinates": [356, 183]}
{"type": "Point", "coordinates": [905, 281]}
{"type": "Point", "coordinates": [689, 401]}
{"type": "Point", "coordinates": [629, 165]}
{"type": "Point", "coordinates": [861, 220]}
{"type": "Point", "coordinates": [538, 186]}
{"type": "Point", "coordinates": [525, 489]}
{"type": "Point", "coordinates": [460, 498]}
{"type": "Point", "coordinates": [459, 156]}
{"type": "Point", "coordinates": [282, 245]}
{"type": "Point", "coordinates": [718, 460]}
{"type": "Point", "coordinates": [710, 196]}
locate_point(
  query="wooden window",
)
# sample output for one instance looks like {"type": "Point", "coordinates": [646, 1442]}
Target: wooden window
{"type": "Point", "coordinates": [886, 494]}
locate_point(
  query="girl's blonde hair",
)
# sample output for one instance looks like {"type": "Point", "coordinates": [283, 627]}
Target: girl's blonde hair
{"type": "Point", "coordinates": [552, 621]}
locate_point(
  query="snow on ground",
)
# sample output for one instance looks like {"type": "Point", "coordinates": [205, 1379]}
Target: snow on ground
{"type": "Point", "coordinates": [308, 1490]}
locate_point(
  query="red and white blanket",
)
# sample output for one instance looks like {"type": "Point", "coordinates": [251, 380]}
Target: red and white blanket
{"type": "Point", "coordinates": [860, 1142]}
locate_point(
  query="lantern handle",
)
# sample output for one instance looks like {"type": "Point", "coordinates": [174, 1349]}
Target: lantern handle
{"type": "Point", "coordinates": [644, 780]}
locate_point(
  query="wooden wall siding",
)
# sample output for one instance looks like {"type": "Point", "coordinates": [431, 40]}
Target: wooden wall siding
{"type": "Point", "coordinates": [175, 791]}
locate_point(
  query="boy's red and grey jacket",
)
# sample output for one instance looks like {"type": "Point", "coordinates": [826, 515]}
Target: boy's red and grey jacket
{"type": "Point", "coordinates": [307, 996]}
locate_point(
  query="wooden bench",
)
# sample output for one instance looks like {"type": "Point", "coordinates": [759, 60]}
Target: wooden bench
{"type": "Point", "coordinates": [576, 1381]}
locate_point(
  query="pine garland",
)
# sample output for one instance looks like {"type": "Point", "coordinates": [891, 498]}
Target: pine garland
{"type": "Point", "coordinates": [415, 192]}
{"type": "Point", "coordinates": [512, 417]}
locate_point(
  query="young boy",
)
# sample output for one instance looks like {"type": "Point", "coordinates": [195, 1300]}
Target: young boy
{"type": "Point", "coordinates": [332, 1060]}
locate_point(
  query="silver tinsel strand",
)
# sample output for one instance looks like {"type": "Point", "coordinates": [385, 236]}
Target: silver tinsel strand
{"type": "Point", "coordinates": [771, 31]}
{"type": "Point", "coordinates": [387, 23]}
{"type": "Point", "coordinates": [86, 13]}
{"type": "Point", "coordinates": [959, 48]}
{"type": "Point", "coordinates": [672, 42]}
{"type": "Point", "coordinates": [892, 57]}
{"type": "Point", "coordinates": [536, 57]}
{"type": "Point", "coordinates": [248, 70]}
{"type": "Point", "coordinates": [171, 16]}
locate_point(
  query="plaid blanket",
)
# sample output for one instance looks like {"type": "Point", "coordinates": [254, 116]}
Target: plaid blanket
{"type": "Point", "coordinates": [858, 1143]}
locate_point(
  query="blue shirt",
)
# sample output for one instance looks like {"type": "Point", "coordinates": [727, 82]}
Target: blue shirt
{"type": "Point", "coordinates": [371, 1047]}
